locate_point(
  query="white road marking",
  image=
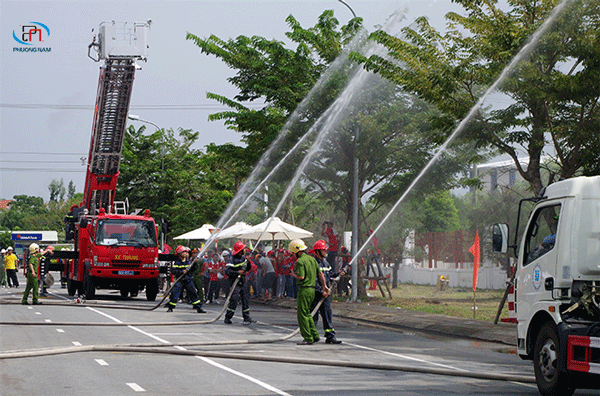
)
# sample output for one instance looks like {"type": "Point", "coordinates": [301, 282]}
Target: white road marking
{"type": "Point", "coordinates": [76, 343]}
{"type": "Point", "coordinates": [247, 377]}
{"type": "Point", "coordinates": [29, 307]}
{"type": "Point", "coordinates": [48, 320]}
{"type": "Point", "coordinates": [60, 330]}
{"type": "Point", "coordinates": [406, 357]}
{"type": "Point", "coordinates": [104, 314]}
{"type": "Point", "coordinates": [101, 362]}
{"type": "Point", "coordinates": [135, 387]}
{"type": "Point", "coordinates": [209, 361]}
{"type": "Point", "coordinates": [149, 335]}
{"type": "Point", "coordinates": [38, 313]}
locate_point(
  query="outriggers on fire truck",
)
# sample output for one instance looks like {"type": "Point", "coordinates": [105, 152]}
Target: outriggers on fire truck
{"type": "Point", "coordinates": [557, 285]}
{"type": "Point", "coordinates": [113, 250]}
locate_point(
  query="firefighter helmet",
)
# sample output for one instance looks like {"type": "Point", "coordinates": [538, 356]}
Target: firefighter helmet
{"type": "Point", "coordinates": [297, 245]}
{"type": "Point", "coordinates": [238, 247]}
{"type": "Point", "coordinates": [34, 248]}
{"type": "Point", "coordinates": [320, 245]}
{"type": "Point", "coordinates": [181, 249]}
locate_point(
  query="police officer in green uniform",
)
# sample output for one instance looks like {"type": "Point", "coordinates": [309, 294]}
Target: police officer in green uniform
{"type": "Point", "coordinates": [32, 274]}
{"type": "Point", "coordinates": [306, 271]}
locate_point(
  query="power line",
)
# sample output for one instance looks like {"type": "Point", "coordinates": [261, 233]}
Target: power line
{"type": "Point", "coordinates": [42, 162]}
{"type": "Point", "coordinates": [39, 153]}
{"type": "Point", "coordinates": [170, 107]}
{"type": "Point", "coordinates": [42, 170]}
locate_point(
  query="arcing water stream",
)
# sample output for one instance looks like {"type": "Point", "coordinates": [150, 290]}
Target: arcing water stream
{"type": "Point", "coordinates": [327, 121]}
{"type": "Point", "coordinates": [323, 125]}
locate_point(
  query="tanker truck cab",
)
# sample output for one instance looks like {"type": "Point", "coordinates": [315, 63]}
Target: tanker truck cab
{"type": "Point", "coordinates": [557, 285]}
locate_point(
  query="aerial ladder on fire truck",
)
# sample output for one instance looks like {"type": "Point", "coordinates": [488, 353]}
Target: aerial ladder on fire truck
{"type": "Point", "coordinates": [112, 250]}
{"type": "Point", "coordinates": [121, 46]}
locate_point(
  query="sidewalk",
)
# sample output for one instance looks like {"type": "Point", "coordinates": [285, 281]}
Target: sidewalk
{"type": "Point", "coordinates": [505, 333]}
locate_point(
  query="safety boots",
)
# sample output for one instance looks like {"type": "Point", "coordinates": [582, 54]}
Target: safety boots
{"type": "Point", "coordinates": [332, 340]}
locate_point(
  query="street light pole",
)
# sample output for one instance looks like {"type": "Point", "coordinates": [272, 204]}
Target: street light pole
{"type": "Point", "coordinates": [137, 118]}
{"type": "Point", "coordinates": [350, 8]}
{"type": "Point", "coordinates": [162, 162]}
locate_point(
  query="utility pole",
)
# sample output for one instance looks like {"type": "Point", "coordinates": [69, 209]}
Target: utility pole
{"type": "Point", "coordinates": [355, 220]}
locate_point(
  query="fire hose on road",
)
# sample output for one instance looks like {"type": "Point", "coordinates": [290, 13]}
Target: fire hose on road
{"type": "Point", "coordinates": [156, 348]}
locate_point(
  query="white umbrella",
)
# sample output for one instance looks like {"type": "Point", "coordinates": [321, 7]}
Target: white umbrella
{"type": "Point", "coordinates": [232, 231]}
{"type": "Point", "coordinates": [277, 229]}
{"type": "Point", "coordinates": [203, 232]}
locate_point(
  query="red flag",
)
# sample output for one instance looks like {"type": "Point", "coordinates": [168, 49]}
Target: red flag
{"type": "Point", "coordinates": [476, 254]}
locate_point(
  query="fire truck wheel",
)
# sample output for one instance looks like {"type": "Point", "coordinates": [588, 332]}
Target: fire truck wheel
{"type": "Point", "coordinates": [71, 287]}
{"type": "Point", "coordinates": [151, 289]}
{"type": "Point", "coordinates": [124, 293]}
{"type": "Point", "coordinates": [89, 287]}
{"type": "Point", "coordinates": [551, 380]}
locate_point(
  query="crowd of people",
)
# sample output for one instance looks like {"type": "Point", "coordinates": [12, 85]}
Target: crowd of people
{"type": "Point", "coordinates": [269, 274]}
{"type": "Point", "coordinates": [296, 272]}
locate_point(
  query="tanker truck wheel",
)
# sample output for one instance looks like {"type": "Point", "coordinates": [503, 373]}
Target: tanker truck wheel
{"type": "Point", "coordinates": [551, 381]}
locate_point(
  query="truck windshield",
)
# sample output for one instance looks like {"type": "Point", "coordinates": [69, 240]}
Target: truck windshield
{"type": "Point", "coordinates": [125, 232]}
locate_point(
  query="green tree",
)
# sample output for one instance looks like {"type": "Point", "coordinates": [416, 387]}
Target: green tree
{"type": "Point", "coordinates": [5, 239]}
{"type": "Point", "coordinates": [438, 213]}
{"type": "Point", "coordinates": [31, 213]}
{"type": "Point", "coordinates": [276, 75]}
{"type": "Point", "coordinates": [181, 185]}
{"type": "Point", "coordinates": [395, 141]}
{"type": "Point", "coordinates": [57, 190]}
{"type": "Point", "coordinates": [71, 190]}
{"type": "Point", "coordinates": [478, 210]}
{"type": "Point", "coordinates": [554, 91]}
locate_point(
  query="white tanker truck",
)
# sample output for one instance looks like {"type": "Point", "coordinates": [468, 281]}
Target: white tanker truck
{"type": "Point", "coordinates": [557, 285]}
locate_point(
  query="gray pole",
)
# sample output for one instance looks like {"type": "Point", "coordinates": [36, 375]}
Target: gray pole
{"type": "Point", "coordinates": [355, 219]}
{"type": "Point", "coordinates": [350, 8]}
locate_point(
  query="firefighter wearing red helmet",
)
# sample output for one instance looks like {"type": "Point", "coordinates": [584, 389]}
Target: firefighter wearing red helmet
{"type": "Point", "coordinates": [183, 269]}
{"type": "Point", "coordinates": [320, 254]}
{"type": "Point", "coordinates": [239, 266]}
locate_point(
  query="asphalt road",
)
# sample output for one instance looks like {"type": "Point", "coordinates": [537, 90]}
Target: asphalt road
{"type": "Point", "coordinates": [125, 373]}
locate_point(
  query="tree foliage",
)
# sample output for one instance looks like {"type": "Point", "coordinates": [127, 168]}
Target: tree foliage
{"type": "Point", "coordinates": [57, 190]}
{"type": "Point", "coordinates": [280, 77]}
{"type": "Point", "coordinates": [31, 213]}
{"type": "Point", "coordinates": [181, 185]}
{"type": "Point", "coordinates": [554, 91]}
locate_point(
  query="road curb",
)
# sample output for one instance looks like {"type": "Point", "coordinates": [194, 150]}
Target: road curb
{"type": "Point", "coordinates": [504, 333]}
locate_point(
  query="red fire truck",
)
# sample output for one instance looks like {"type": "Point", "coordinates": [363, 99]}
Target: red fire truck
{"type": "Point", "coordinates": [113, 249]}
